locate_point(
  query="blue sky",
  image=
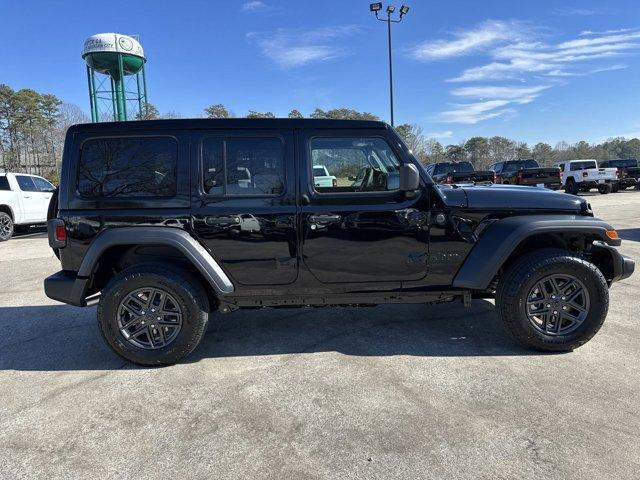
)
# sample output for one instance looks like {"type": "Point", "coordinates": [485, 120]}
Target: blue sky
{"type": "Point", "coordinates": [532, 71]}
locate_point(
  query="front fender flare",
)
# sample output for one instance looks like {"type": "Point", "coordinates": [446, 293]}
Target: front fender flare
{"type": "Point", "coordinates": [199, 257]}
{"type": "Point", "coordinates": [502, 237]}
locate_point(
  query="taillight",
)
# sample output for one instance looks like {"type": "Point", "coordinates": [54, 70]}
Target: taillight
{"type": "Point", "coordinates": [334, 182]}
{"type": "Point", "coordinates": [495, 177]}
{"type": "Point", "coordinates": [519, 176]}
{"type": "Point", "coordinates": [61, 233]}
{"type": "Point", "coordinates": [57, 232]}
{"type": "Point", "coordinates": [449, 179]}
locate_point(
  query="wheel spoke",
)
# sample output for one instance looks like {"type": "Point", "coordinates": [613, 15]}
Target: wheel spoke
{"type": "Point", "coordinates": [149, 318]}
{"type": "Point", "coordinates": [557, 304]}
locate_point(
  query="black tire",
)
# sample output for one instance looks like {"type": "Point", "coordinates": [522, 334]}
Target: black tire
{"type": "Point", "coordinates": [615, 189]}
{"type": "Point", "coordinates": [604, 189]}
{"type": "Point", "coordinates": [6, 227]}
{"type": "Point", "coordinates": [189, 295]}
{"type": "Point", "coordinates": [571, 187]}
{"type": "Point", "coordinates": [524, 275]}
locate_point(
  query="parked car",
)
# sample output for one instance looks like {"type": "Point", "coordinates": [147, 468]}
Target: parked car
{"type": "Point", "coordinates": [24, 200]}
{"type": "Point", "coordinates": [526, 172]}
{"type": "Point", "coordinates": [458, 172]}
{"type": "Point", "coordinates": [583, 175]}
{"type": "Point", "coordinates": [136, 228]}
{"type": "Point", "coordinates": [321, 177]}
{"type": "Point", "coordinates": [627, 170]}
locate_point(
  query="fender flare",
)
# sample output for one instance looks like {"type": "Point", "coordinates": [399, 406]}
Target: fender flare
{"type": "Point", "coordinates": [502, 237]}
{"type": "Point", "coordinates": [179, 239]}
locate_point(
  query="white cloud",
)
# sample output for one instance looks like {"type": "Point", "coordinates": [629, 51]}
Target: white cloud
{"type": "Point", "coordinates": [482, 37]}
{"type": "Point", "coordinates": [573, 11]}
{"type": "Point", "coordinates": [253, 6]}
{"type": "Point", "coordinates": [294, 48]}
{"type": "Point", "coordinates": [515, 59]}
{"type": "Point", "coordinates": [443, 134]}
{"type": "Point", "coordinates": [472, 113]}
{"type": "Point", "coordinates": [518, 94]}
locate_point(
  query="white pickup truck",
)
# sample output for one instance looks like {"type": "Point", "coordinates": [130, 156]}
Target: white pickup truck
{"type": "Point", "coordinates": [583, 175]}
{"type": "Point", "coordinates": [24, 201]}
{"type": "Point", "coordinates": [321, 177]}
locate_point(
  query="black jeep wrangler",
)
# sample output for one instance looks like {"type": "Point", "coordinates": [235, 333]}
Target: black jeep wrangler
{"type": "Point", "coordinates": [166, 221]}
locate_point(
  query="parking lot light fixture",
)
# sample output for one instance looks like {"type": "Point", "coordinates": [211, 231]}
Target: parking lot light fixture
{"type": "Point", "coordinates": [375, 8]}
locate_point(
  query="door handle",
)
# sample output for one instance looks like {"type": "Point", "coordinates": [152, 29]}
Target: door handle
{"type": "Point", "coordinates": [324, 218]}
{"type": "Point", "coordinates": [222, 220]}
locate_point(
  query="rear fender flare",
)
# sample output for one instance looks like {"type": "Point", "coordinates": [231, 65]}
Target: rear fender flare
{"type": "Point", "coordinates": [197, 255]}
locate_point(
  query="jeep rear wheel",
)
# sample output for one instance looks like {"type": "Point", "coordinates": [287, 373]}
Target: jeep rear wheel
{"type": "Point", "coordinates": [6, 227]}
{"type": "Point", "coordinates": [552, 300]}
{"type": "Point", "coordinates": [153, 314]}
{"type": "Point", "coordinates": [604, 189]}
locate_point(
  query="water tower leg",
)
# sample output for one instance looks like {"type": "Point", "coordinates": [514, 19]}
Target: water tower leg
{"type": "Point", "coordinates": [93, 100]}
{"type": "Point", "coordinates": [114, 108]}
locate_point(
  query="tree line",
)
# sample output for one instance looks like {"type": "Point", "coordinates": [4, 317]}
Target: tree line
{"type": "Point", "coordinates": [33, 126]}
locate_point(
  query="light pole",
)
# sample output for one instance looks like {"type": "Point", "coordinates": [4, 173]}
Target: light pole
{"type": "Point", "coordinates": [375, 8]}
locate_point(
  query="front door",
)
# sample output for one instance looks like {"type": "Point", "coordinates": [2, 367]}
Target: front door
{"type": "Point", "coordinates": [244, 203]}
{"type": "Point", "coordinates": [359, 227]}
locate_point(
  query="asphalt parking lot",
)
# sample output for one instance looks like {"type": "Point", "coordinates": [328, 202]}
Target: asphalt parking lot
{"type": "Point", "coordinates": [373, 393]}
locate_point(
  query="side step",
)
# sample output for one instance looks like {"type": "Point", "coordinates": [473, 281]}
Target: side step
{"type": "Point", "coordinates": [230, 303]}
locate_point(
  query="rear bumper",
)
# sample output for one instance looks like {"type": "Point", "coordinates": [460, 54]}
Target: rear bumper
{"type": "Point", "coordinates": [66, 288]}
{"type": "Point", "coordinates": [621, 266]}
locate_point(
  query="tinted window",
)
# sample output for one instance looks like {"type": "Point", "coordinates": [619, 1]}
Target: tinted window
{"type": "Point", "coordinates": [441, 169]}
{"type": "Point", "coordinates": [519, 165]}
{"type": "Point", "coordinates": [462, 167]}
{"type": "Point", "coordinates": [26, 183]}
{"type": "Point", "coordinates": [4, 183]}
{"type": "Point", "coordinates": [582, 165]}
{"type": "Point", "coordinates": [620, 163]}
{"type": "Point", "coordinates": [243, 166]}
{"type": "Point", "coordinates": [43, 185]}
{"type": "Point", "coordinates": [128, 167]}
{"type": "Point", "coordinates": [359, 164]}
{"type": "Point", "coordinates": [319, 172]}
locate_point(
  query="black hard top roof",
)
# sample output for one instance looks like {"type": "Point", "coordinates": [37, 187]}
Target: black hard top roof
{"type": "Point", "coordinates": [239, 123]}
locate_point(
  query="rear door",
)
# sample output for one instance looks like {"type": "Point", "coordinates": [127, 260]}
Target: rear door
{"type": "Point", "coordinates": [244, 203]}
{"type": "Point", "coordinates": [364, 229]}
{"type": "Point", "coordinates": [30, 196]}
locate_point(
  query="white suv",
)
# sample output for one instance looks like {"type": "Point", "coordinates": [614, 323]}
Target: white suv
{"type": "Point", "coordinates": [24, 201]}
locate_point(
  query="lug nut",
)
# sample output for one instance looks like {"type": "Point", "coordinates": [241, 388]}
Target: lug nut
{"type": "Point", "coordinates": [555, 312]}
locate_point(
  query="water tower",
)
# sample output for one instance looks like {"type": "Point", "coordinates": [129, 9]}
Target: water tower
{"type": "Point", "coordinates": [115, 72]}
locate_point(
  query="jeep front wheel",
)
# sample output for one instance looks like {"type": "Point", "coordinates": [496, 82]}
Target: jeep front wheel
{"type": "Point", "coordinates": [153, 314]}
{"type": "Point", "coordinates": [6, 227]}
{"type": "Point", "coordinates": [552, 300]}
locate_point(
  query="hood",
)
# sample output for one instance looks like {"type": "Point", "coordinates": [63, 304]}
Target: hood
{"type": "Point", "coordinates": [509, 197]}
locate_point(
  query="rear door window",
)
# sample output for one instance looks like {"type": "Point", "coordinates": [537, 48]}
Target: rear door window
{"type": "Point", "coordinates": [26, 183]}
{"type": "Point", "coordinates": [128, 167]}
{"type": "Point", "coordinates": [4, 183]}
{"type": "Point", "coordinates": [243, 166]}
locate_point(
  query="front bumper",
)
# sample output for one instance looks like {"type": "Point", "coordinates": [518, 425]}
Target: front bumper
{"type": "Point", "coordinates": [621, 266]}
{"type": "Point", "coordinates": [67, 288]}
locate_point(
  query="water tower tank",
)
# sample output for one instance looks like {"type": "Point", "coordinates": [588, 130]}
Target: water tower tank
{"type": "Point", "coordinates": [116, 56]}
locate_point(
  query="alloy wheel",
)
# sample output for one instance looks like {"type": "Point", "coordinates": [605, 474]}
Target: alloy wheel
{"type": "Point", "coordinates": [557, 304]}
{"type": "Point", "coordinates": [6, 227]}
{"type": "Point", "coordinates": [149, 318]}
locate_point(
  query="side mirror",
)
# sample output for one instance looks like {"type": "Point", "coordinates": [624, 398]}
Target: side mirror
{"type": "Point", "coordinates": [409, 178]}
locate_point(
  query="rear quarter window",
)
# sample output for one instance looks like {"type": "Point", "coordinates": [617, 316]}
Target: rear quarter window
{"type": "Point", "coordinates": [128, 167]}
{"type": "Point", "coordinates": [4, 183]}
